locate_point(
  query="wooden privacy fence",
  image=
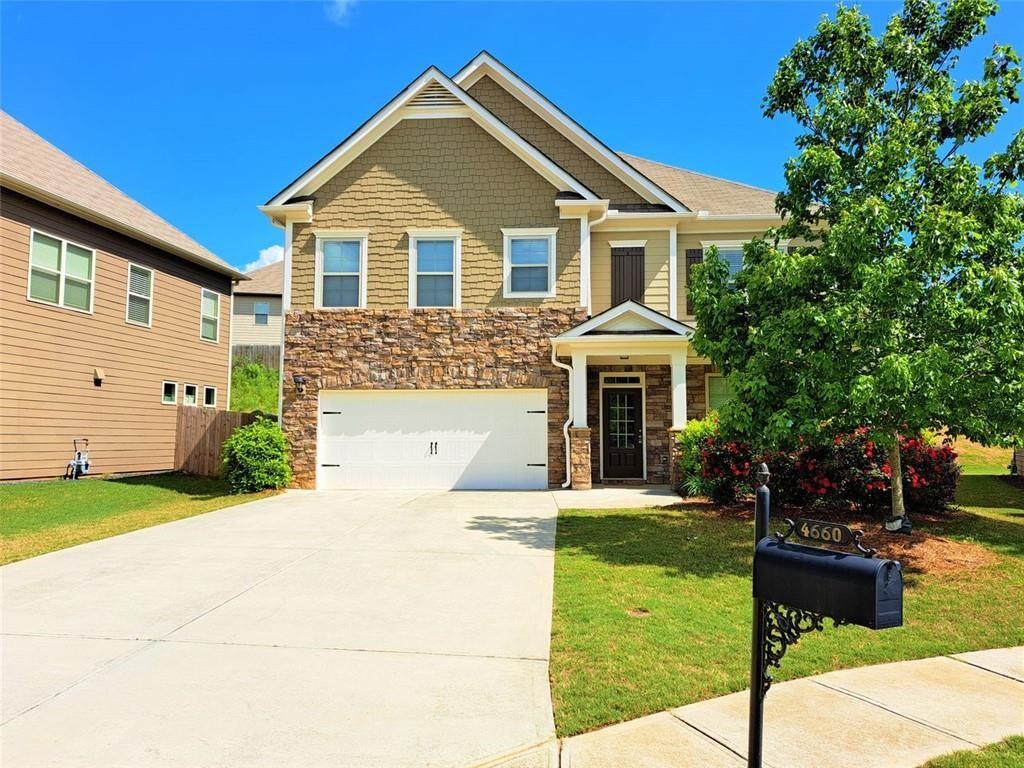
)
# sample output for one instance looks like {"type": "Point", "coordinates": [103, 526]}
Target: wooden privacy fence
{"type": "Point", "coordinates": [201, 433]}
{"type": "Point", "coordinates": [269, 355]}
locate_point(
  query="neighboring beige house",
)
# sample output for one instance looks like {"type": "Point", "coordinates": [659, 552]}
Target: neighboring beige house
{"type": "Point", "coordinates": [256, 315]}
{"type": "Point", "coordinates": [109, 318]}
{"type": "Point", "coordinates": [478, 293]}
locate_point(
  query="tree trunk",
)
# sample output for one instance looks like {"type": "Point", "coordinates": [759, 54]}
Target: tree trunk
{"type": "Point", "coordinates": [896, 468]}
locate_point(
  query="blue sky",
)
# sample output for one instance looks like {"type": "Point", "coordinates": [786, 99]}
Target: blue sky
{"type": "Point", "coordinates": [202, 111]}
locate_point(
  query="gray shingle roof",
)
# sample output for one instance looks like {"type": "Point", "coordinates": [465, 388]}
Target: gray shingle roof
{"type": "Point", "coordinates": [33, 166]}
{"type": "Point", "coordinates": [267, 280]}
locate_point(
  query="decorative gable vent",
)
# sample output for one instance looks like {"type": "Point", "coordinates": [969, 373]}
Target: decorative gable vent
{"type": "Point", "coordinates": [434, 95]}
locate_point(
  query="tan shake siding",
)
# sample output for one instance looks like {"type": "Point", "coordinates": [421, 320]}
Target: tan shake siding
{"type": "Point", "coordinates": [527, 124]}
{"type": "Point", "coordinates": [437, 174]}
{"type": "Point", "coordinates": [243, 323]}
{"type": "Point", "coordinates": [49, 354]}
{"type": "Point", "coordinates": [655, 268]}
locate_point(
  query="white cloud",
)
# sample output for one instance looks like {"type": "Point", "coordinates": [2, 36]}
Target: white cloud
{"type": "Point", "coordinates": [268, 256]}
{"type": "Point", "coordinates": [338, 11]}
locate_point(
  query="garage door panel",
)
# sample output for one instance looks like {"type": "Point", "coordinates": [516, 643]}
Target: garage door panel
{"type": "Point", "coordinates": [433, 439]}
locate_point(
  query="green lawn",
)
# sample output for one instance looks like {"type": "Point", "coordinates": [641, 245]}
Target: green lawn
{"type": "Point", "coordinates": [976, 459]}
{"type": "Point", "coordinates": [46, 516]}
{"type": "Point", "coordinates": [1005, 754]}
{"type": "Point", "coordinates": [652, 606]}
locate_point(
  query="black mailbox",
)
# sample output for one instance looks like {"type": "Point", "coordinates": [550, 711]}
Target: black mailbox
{"type": "Point", "coordinates": [846, 587]}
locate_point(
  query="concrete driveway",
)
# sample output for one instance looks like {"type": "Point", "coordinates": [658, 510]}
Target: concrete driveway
{"type": "Point", "coordinates": [310, 629]}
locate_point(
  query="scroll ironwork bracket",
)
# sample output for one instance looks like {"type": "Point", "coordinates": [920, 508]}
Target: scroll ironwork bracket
{"type": "Point", "coordinates": [783, 627]}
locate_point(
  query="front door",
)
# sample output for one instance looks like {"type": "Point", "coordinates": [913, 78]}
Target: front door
{"type": "Point", "coordinates": [622, 432]}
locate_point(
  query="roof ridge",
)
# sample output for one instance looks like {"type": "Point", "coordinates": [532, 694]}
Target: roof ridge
{"type": "Point", "coordinates": [626, 156]}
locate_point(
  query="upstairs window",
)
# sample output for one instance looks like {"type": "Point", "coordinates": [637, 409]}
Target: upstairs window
{"type": "Point", "coordinates": [434, 269]}
{"type": "Point", "coordinates": [529, 263]}
{"type": "Point", "coordinates": [261, 312]}
{"type": "Point", "coordinates": [60, 273]}
{"type": "Point", "coordinates": [140, 296]}
{"type": "Point", "coordinates": [209, 329]}
{"type": "Point", "coordinates": [341, 270]}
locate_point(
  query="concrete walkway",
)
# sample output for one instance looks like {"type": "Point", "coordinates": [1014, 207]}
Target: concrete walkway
{"type": "Point", "coordinates": [349, 630]}
{"type": "Point", "coordinates": [887, 716]}
{"type": "Point", "coordinates": [617, 497]}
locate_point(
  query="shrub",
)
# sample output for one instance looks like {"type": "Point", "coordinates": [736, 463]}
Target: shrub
{"type": "Point", "coordinates": [255, 457]}
{"type": "Point", "coordinates": [691, 442]}
{"type": "Point", "coordinates": [848, 472]}
{"type": "Point", "coordinates": [254, 387]}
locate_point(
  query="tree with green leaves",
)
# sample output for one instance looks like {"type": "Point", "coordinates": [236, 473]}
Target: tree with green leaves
{"type": "Point", "coordinates": [904, 308]}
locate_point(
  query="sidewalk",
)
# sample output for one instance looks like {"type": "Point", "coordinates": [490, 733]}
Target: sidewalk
{"type": "Point", "coordinates": [887, 716]}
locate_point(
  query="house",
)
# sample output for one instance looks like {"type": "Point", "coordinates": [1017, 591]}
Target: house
{"type": "Point", "coordinates": [479, 293]}
{"type": "Point", "coordinates": [109, 317]}
{"type": "Point", "coordinates": [256, 316]}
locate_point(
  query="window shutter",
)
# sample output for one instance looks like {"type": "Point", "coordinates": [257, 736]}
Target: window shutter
{"type": "Point", "coordinates": [693, 256]}
{"type": "Point", "coordinates": [627, 275]}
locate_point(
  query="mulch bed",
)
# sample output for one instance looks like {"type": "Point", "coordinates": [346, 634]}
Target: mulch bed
{"type": "Point", "coordinates": [920, 552]}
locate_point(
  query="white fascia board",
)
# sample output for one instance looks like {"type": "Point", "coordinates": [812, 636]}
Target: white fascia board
{"type": "Point", "coordinates": [484, 64]}
{"type": "Point", "coordinates": [396, 110]}
{"type": "Point", "coordinates": [704, 215]}
{"type": "Point", "coordinates": [279, 214]}
{"type": "Point", "coordinates": [670, 325]}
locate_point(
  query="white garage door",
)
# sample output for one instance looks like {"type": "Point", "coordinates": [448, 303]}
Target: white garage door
{"type": "Point", "coordinates": [433, 439]}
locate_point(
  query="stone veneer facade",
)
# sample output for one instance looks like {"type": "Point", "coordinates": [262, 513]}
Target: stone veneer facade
{"type": "Point", "coordinates": [421, 349]}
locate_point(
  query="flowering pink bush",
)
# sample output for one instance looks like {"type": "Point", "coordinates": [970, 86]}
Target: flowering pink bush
{"type": "Point", "coordinates": [849, 471]}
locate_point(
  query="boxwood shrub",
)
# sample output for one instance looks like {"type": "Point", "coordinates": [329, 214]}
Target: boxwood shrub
{"type": "Point", "coordinates": [255, 457]}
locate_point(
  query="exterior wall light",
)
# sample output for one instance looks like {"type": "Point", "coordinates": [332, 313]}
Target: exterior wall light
{"type": "Point", "coordinates": [300, 382]}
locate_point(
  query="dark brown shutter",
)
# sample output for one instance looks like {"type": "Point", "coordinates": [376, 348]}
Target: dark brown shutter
{"type": "Point", "coordinates": [627, 275]}
{"type": "Point", "coordinates": [693, 256]}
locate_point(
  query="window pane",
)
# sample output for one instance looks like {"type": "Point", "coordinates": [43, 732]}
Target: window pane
{"type": "Point", "coordinates": [210, 396]}
{"type": "Point", "coordinates": [341, 256]}
{"type": "Point", "coordinates": [79, 262]}
{"type": "Point", "coordinates": [733, 257]}
{"type": "Point", "coordinates": [190, 395]}
{"type": "Point", "coordinates": [139, 280]}
{"type": "Point", "coordinates": [532, 251]}
{"type": "Point", "coordinates": [529, 279]}
{"type": "Point", "coordinates": [719, 392]}
{"type": "Point", "coordinates": [138, 309]}
{"type": "Point", "coordinates": [209, 331]}
{"type": "Point", "coordinates": [211, 302]}
{"type": "Point", "coordinates": [435, 255]}
{"type": "Point", "coordinates": [76, 293]}
{"type": "Point", "coordinates": [434, 291]}
{"type": "Point", "coordinates": [45, 252]}
{"type": "Point", "coordinates": [261, 313]}
{"type": "Point", "coordinates": [340, 291]}
{"type": "Point", "coordinates": [170, 393]}
{"type": "Point", "coordinates": [44, 286]}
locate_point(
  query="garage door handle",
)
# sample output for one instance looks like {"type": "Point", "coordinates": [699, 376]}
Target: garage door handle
{"type": "Point", "coordinates": [332, 413]}
{"type": "Point", "coordinates": [330, 465]}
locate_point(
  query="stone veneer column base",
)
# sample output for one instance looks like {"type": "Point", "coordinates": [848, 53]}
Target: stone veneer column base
{"type": "Point", "coordinates": [675, 474]}
{"type": "Point", "coordinates": [579, 458]}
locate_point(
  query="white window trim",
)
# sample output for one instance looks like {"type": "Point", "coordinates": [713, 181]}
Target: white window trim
{"type": "Point", "coordinates": [128, 294]}
{"type": "Point", "coordinates": [202, 295]}
{"type": "Point", "coordinates": [162, 384]}
{"type": "Point", "coordinates": [508, 235]}
{"type": "Point", "coordinates": [642, 386]}
{"type": "Point", "coordinates": [256, 314]}
{"type": "Point", "coordinates": [415, 235]}
{"type": "Point", "coordinates": [207, 388]}
{"type": "Point", "coordinates": [64, 243]}
{"type": "Point", "coordinates": [322, 236]}
{"type": "Point", "coordinates": [707, 389]}
{"type": "Point", "coordinates": [627, 243]}
{"type": "Point", "coordinates": [184, 394]}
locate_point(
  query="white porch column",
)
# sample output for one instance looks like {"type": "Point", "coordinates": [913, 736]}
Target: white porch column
{"type": "Point", "coordinates": [678, 359]}
{"type": "Point", "coordinates": [579, 389]}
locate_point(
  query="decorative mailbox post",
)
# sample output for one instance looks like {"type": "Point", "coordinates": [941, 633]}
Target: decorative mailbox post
{"type": "Point", "coordinates": [797, 587]}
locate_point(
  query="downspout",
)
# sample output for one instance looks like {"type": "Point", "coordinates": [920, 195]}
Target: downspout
{"type": "Point", "coordinates": [568, 421]}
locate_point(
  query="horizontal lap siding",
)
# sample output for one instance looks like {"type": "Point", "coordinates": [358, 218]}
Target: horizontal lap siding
{"type": "Point", "coordinates": [49, 354]}
{"type": "Point", "coordinates": [243, 324]}
{"type": "Point", "coordinates": [655, 268]}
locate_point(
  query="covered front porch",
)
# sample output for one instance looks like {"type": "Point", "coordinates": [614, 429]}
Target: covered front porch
{"type": "Point", "coordinates": [630, 391]}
